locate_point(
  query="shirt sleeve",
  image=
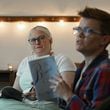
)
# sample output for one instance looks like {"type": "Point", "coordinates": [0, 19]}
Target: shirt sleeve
{"type": "Point", "coordinates": [21, 67]}
{"type": "Point", "coordinates": [64, 63]}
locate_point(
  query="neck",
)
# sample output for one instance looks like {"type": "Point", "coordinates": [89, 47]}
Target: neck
{"type": "Point", "coordinates": [90, 58]}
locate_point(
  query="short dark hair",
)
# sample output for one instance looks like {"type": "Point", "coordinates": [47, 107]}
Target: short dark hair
{"type": "Point", "coordinates": [102, 16]}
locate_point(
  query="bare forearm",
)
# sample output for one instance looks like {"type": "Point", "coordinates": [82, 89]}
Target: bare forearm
{"type": "Point", "coordinates": [16, 84]}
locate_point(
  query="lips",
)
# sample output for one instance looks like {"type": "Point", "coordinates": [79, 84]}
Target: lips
{"type": "Point", "coordinates": [37, 47]}
{"type": "Point", "coordinates": [78, 42]}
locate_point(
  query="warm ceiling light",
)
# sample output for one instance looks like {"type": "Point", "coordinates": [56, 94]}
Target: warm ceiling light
{"type": "Point", "coordinates": [21, 25]}
{"type": "Point", "coordinates": [61, 22]}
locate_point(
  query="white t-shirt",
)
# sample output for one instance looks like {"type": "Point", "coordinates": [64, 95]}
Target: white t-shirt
{"type": "Point", "coordinates": [63, 64]}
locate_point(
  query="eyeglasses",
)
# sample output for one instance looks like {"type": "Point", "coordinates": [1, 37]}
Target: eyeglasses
{"type": "Point", "coordinates": [39, 39]}
{"type": "Point", "coordinates": [86, 31]}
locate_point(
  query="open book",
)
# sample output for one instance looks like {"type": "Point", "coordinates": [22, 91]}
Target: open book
{"type": "Point", "coordinates": [43, 69]}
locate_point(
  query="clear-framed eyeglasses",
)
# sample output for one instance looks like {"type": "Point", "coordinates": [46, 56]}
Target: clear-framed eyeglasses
{"type": "Point", "coordinates": [87, 31]}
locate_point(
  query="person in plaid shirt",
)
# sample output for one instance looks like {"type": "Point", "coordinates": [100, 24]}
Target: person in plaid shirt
{"type": "Point", "coordinates": [92, 82]}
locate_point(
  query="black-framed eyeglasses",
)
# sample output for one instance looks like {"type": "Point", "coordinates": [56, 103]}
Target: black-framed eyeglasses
{"type": "Point", "coordinates": [87, 31]}
{"type": "Point", "coordinates": [34, 39]}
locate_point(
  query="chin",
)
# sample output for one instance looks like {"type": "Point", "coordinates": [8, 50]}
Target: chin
{"type": "Point", "coordinates": [38, 50]}
{"type": "Point", "coordinates": [79, 49]}
{"type": "Point", "coordinates": [38, 53]}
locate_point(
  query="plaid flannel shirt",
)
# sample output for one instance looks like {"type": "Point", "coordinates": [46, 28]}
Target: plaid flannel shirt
{"type": "Point", "coordinates": [94, 87]}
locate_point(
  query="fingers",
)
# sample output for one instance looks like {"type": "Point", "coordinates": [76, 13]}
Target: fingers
{"type": "Point", "coordinates": [54, 84]}
{"type": "Point", "coordinates": [57, 83]}
{"type": "Point", "coordinates": [58, 78]}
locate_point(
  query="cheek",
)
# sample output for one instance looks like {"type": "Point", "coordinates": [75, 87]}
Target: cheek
{"type": "Point", "coordinates": [32, 46]}
{"type": "Point", "coordinates": [47, 44]}
{"type": "Point", "coordinates": [94, 43]}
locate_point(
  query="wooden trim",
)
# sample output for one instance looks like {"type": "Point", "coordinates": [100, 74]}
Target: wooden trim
{"type": "Point", "coordinates": [39, 18]}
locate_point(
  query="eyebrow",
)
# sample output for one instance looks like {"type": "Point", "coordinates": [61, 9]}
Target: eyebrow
{"type": "Point", "coordinates": [33, 36]}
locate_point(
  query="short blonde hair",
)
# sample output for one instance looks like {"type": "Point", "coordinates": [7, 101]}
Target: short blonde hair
{"type": "Point", "coordinates": [43, 29]}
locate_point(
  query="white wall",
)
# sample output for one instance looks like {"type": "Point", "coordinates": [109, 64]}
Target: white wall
{"type": "Point", "coordinates": [14, 46]}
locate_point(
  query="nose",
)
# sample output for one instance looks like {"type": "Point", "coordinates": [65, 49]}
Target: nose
{"type": "Point", "coordinates": [81, 34]}
{"type": "Point", "coordinates": [38, 41]}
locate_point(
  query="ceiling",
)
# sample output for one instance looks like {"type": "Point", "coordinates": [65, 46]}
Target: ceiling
{"type": "Point", "coordinates": [48, 7]}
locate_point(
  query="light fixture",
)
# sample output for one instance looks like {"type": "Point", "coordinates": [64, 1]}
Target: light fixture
{"type": "Point", "coordinates": [10, 67]}
{"type": "Point", "coordinates": [39, 18]}
{"type": "Point", "coordinates": [21, 25]}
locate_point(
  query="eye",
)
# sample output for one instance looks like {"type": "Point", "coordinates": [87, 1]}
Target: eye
{"type": "Point", "coordinates": [34, 39]}
{"type": "Point", "coordinates": [42, 37]}
{"type": "Point", "coordinates": [77, 29]}
{"type": "Point", "coordinates": [88, 30]}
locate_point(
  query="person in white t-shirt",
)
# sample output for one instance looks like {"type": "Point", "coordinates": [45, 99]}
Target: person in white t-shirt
{"type": "Point", "coordinates": [40, 40]}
